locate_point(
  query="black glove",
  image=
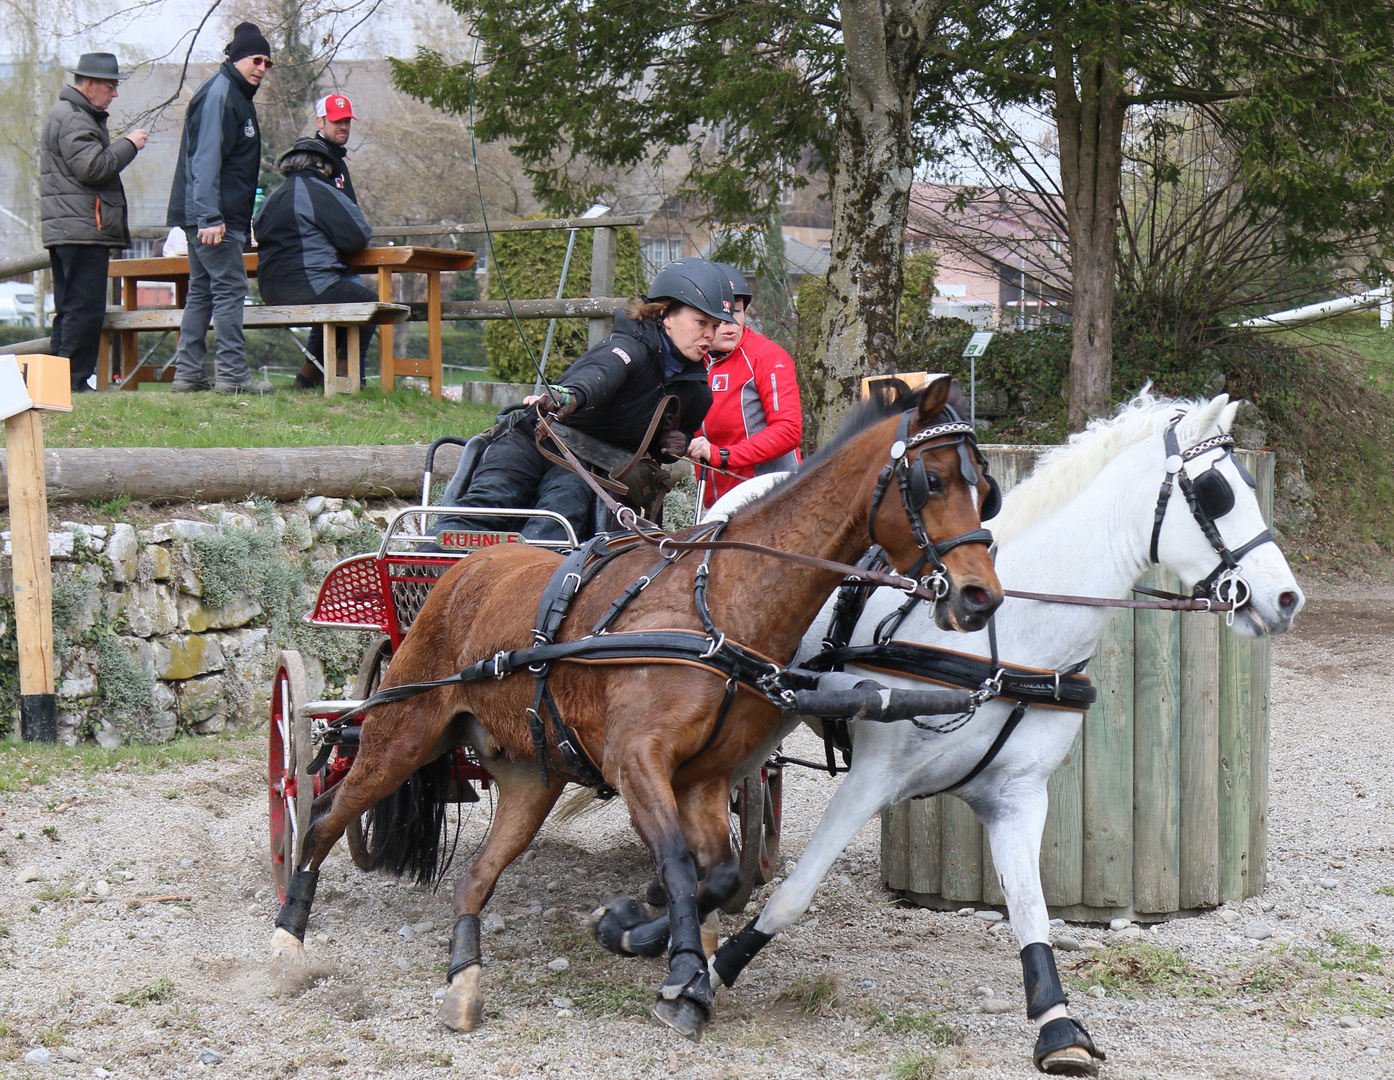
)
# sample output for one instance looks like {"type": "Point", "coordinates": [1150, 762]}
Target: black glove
{"type": "Point", "coordinates": [559, 402]}
{"type": "Point", "coordinates": [673, 444]}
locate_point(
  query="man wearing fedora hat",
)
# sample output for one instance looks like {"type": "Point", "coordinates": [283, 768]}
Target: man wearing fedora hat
{"type": "Point", "coordinates": [82, 206]}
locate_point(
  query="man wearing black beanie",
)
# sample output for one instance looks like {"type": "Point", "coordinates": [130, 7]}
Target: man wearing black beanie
{"type": "Point", "coordinates": [214, 192]}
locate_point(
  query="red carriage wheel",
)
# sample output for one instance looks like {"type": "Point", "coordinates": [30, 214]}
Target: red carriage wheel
{"type": "Point", "coordinates": [290, 788]}
{"type": "Point", "coordinates": [756, 805]}
{"type": "Point", "coordinates": [370, 672]}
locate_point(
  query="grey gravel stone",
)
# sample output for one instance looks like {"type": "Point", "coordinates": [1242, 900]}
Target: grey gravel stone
{"type": "Point", "coordinates": [1347, 1022]}
{"type": "Point", "coordinates": [101, 888]}
{"type": "Point", "coordinates": [965, 911]}
{"type": "Point", "coordinates": [989, 916]}
{"type": "Point", "coordinates": [28, 874]}
{"type": "Point", "coordinates": [1372, 1051]}
{"type": "Point", "coordinates": [494, 925]}
{"type": "Point", "coordinates": [1059, 924]}
{"type": "Point", "coordinates": [443, 940]}
{"type": "Point", "coordinates": [1258, 931]}
{"type": "Point", "coordinates": [1129, 933]}
{"type": "Point", "coordinates": [439, 995]}
{"type": "Point", "coordinates": [407, 933]}
{"type": "Point", "coordinates": [403, 963]}
{"type": "Point", "coordinates": [561, 1003]}
{"type": "Point", "coordinates": [1097, 992]}
{"type": "Point", "coordinates": [1067, 944]}
{"type": "Point", "coordinates": [983, 992]}
{"type": "Point", "coordinates": [1328, 883]}
{"type": "Point", "coordinates": [1120, 924]}
{"type": "Point", "coordinates": [209, 1057]}
{"type": "Point", "coordinates": [561, 963]}
{"type": "Point", "coordinates": [38, 1057]}
{"type": "Point", "coordinates": [423, 927]}
{"type": "Point", "coordinates": [1090, 945]}
{"type": "Point", "coordinates": [996, 1006]}
{"type": "Point", "coordinates": [1229, 917]}
{"type": "Point", "coordinates": [70, 1053]}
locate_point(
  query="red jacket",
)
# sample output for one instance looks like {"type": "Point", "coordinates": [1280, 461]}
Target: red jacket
{"type": "Point", "coordinates": [755, 412]}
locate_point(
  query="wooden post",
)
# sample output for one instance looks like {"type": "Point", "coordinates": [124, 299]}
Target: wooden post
{"type": "Point", "coordinates": [33, 581]}
{"type": "Point", "coordinates": [603, 244]}
{"type": "Point", "coordinates": [1236, 767]}
{"type": "Point", "coordinates": [1108, 771]}
{"type": "Point", "coordinates": [1156, 754]}
{"type": "Point", "coordinates": [961, 859]}
{"type": "Point", "coordinates": [1200, 760]}
{"type": "Point", "coordinates": [1261, 467]}
{"type": "Point", "coordinates": [434, 350]}
{"type": "Point", "coordinates": [387, 368]}
{"type": "Point", "coordinates": [1062, 843]}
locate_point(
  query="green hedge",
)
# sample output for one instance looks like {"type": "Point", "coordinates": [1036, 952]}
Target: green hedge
{"type": "Point", "coordinates": [530, 265]}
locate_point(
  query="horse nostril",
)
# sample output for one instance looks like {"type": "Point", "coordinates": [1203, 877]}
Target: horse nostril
{"type": "Point", "coordinates": [976, 598]}
{"type": "Point", "coordinates": [1287, 601]}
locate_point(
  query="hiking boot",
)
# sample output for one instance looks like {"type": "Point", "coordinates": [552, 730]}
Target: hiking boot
{"type": "Point", "coordinates": [178, 387]}
{"type": "Point", "coordinates": [302, 383]}
{"type": "Point", "coordinates": [247, 386]}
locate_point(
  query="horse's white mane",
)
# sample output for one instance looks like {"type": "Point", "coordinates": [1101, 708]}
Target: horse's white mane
{"type": "Point", "coordinates": [1064, 471]}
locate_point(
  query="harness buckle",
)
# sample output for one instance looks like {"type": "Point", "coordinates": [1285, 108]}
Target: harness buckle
{"type": "Point", "coordinates": [1057, 686]}
{"type": "Point", "coordinates": [499, 658]}
{"type": "Point", "coordinates": [715, 647]}
{"type": "Point", "coordinates": [628, 518]}
{"type": "Point", "coordinates": [669, 555]}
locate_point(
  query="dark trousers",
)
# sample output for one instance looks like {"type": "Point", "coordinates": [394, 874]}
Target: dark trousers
{"type": "Point", "coordinates": [79, 305]}
{"type": "Point", "coordinates": [512, 473]}
{"type": "Point", "coordinates": [349, 289]}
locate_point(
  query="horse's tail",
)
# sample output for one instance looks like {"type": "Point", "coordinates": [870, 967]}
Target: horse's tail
{"type": "Point", "coordinates": [407, 831]}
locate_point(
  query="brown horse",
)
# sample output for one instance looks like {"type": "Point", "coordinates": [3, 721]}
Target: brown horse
{"type": "Point", "coordinates": [665, 736]}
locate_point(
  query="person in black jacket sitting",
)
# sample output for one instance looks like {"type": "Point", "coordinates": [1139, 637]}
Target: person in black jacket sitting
{"type": "Point", "coordinates": [305, 230]}
{"type": "Point", "coordinates": [658, 348]}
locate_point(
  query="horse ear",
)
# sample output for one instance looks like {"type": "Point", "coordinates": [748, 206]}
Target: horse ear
{"type": "Point", "coordinates": [1227, 417]}
{"type": "Point", "coordinates": [935, 395]}
{"type": "Point", "coordinates": [1201, 419]}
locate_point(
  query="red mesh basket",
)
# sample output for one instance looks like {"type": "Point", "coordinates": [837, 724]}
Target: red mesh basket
{"type": "Point", "coordinates": [352, 596]}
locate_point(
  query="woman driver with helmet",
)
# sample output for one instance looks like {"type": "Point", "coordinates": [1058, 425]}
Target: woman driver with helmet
{"type": "Point", "coordinates": [658, 347]}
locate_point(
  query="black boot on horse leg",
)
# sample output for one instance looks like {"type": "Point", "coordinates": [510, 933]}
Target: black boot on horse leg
{"type": "Point", "coordinates": [622, 926]}
{"type": "Point", "coordinates": [1063, 1047]}
{"type": "Point", "coordinates": [288, 942]}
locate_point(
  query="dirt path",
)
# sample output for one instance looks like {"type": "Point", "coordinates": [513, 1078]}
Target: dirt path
{"type": "Point", "coordinates": [141, 989]}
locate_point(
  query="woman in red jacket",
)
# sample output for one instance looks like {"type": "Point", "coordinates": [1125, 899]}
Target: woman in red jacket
{"type": "Point", "coordinates": [755, 422]}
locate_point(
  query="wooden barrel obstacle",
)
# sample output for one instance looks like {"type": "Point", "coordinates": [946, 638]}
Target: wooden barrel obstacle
{"type": "Point", "coordinates": [1161, 805]}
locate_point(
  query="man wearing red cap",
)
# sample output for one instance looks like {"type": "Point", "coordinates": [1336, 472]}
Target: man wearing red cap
{"type": "Point", "coordinates": [334, 116]}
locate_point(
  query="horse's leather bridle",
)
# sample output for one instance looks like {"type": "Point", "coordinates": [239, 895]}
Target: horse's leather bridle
{"type": "Point", "coordinates": [1209, 496]}
{"type": "Point", "coordinates": [907, 466]}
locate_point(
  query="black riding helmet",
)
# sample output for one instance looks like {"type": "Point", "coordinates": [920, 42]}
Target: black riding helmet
{"type": "Point", "coordinates": [739, 286]}
{"type": "Point", "coordinates": [698, 283]}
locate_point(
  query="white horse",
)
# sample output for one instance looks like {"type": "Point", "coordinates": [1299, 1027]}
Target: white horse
{"type": "Point", "coordinates": [1081, 524]}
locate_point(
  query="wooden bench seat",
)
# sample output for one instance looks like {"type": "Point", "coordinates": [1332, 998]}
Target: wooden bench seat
{"type": "Point", "coordinates": [332, 317]}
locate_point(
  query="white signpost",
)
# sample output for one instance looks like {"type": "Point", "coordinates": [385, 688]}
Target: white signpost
{"type": "Point", "coordinates": [976, 347]}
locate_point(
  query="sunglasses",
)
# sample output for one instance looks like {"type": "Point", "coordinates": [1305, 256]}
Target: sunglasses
{"type": "Point", "coordinates": [262, 62]}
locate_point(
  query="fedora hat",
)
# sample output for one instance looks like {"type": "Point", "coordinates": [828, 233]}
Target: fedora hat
{"type": "Point", "coordinates": [98, 65]}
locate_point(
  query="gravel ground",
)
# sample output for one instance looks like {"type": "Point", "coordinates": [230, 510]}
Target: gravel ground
{"type": "Point", "coordinates": [173, 989]}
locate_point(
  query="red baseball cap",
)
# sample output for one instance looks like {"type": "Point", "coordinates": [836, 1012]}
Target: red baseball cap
{"type": "Point", "coordinates": [334, 107]}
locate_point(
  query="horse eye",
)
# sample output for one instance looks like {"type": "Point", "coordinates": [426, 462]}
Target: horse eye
{"type": "Point", "coordinates": [935, 483]}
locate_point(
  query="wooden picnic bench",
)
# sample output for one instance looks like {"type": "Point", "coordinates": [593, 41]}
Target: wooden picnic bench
{"type": "Point", "coordinates": [384, 261]}
{"type": "Point", "coordinates": [350, 317]}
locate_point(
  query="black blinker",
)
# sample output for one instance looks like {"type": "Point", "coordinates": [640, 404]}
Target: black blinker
{"type": "Point", "coordinates": [1213, 494]}
{"type": "Point", "coordinates": [919, 485]}
{"type": "Point", "coordinates": [993, 503]}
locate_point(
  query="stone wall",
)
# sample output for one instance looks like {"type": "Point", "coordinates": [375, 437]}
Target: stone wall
{"type": "Point", "coordinates": [175, 625]}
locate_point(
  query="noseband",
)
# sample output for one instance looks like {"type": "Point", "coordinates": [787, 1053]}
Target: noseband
{"type": "Point", "coordinates": [1209, 496]}
{"type": "Point", "coordinates": [907, 466]}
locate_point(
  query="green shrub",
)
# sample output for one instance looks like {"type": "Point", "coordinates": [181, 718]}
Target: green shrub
{"type": "Point", "coordinates": [529, 265]}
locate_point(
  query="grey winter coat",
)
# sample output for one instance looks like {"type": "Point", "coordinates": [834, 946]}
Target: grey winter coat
{"type": "Point", "coordinates": [81, 200]}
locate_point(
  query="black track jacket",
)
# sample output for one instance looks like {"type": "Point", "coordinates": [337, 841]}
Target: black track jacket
{"type": "Point", "coordinates": [621, 381]}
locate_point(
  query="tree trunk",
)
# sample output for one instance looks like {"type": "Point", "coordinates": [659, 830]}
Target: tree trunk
{"type": "Point", "coordinates": [1089, 113]}
{"type": "Point", "coordinates": [873, 165]}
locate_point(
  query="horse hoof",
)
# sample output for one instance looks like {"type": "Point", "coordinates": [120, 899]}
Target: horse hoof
{"type": "Point", "coordinates": [462, 1008]}
{"type": "Point", "coordinates": [1064, 1048]}
{"type": "Point", "coordinates": [684, 1016]}
{"type": "Point", "coordinates": [614, 919]}
{"type": "Point", "coordinates": [1071, 1061]}
{"type": "Point", "coordinates": [286, 948]}
{"type": "Point", "coordinates": [657, 896]}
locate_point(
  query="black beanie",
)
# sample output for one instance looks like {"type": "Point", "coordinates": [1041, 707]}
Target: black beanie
{"type": "Point", "coordinates": [247, 40]}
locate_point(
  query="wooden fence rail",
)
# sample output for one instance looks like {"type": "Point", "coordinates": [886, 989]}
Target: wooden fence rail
{"type": "Point", "coordinates": [1161, 804]}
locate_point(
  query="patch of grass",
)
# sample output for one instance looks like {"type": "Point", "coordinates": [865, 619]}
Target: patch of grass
{"type": "Point", "coordinates": [815, 996]}
{"type": "Point", "coordinates": [918, 1022]}
{"type": "Point", "coordinates": [528, 1034]}
{"type": "Point", "coordinates": [1385, 890]}
{"type": "Point", "coordinates": [596, 997]}
{"type": "Point", "coordinates": [158, 992]}
{"type": "Point", "coordinates": [1341, 952]}
{"type": "Point", "coordinates": [282, 419]}
{"type": "Point", "coordinates": [917, 1065]}
{"type": "Point", "coordinates": [53, 1037]}
{"type": "Point", "coordinates": [115, 509]}
{"type": "Point", "coordinates": [37, 763]}
{"type": "Point", "coordinates": [51, 893]}
{"type": "Point", "coordinates": [1140, 968]}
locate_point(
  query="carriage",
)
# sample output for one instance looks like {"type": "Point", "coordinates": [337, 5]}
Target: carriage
{"type": "Point", "coordinates": [312, 744]}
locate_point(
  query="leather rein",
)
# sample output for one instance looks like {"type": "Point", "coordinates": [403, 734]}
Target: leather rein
{"type": "Point", "coordinates": [932, 587]}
